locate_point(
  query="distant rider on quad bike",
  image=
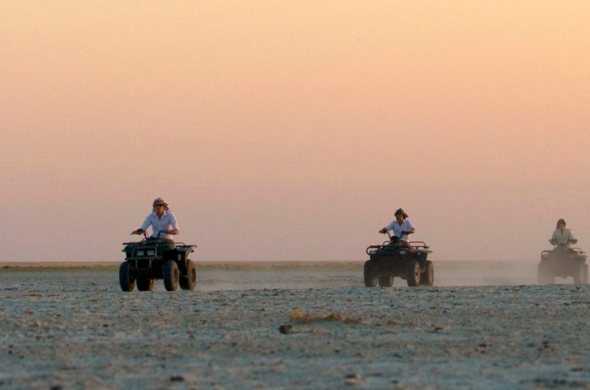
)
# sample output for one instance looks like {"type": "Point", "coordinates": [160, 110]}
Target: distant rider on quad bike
{"type": "Point", "coordinates": [401, 226]}
{"type": "Point", "coordinates": [162, 221]}
{"type": "Point", "coordinates": [562, 237]}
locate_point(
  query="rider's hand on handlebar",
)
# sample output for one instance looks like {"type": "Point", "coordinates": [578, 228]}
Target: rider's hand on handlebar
{"type": "Point", "coordinates": [383, 231]}
{"type": "Point", "coordinates": [138, 231]}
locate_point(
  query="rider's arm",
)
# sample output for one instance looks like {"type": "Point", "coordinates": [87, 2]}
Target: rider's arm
{"type": "Point", "coordinates": [409, 228]}
{"type": "Point", "coordinates": [387, 228]}
{"type": "Point", "coordinates": [173, 225]}
{"type": "Point", "coordinates": [144, 225]}
{"type": "Point", "coordinates": [571, 238]}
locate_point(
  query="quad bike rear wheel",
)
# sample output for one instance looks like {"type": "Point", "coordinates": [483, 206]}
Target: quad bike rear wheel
{"type": "Point", "coordinates": [369, 274]}
{"type": "Point", "coordinates": [427, 277]}
{"type": "Point", "coordinates": [414, 273]}
{"type": "Point", "coordinates": [385, 281]}
{"type": "Point", "coordinates": [189, 281]}
{"type": "Point", "coordinates": [171, 275]}
{"type": "Point", "coordinates": [145, 284]}
{"type": "Point", "coordinates": [126, 277]}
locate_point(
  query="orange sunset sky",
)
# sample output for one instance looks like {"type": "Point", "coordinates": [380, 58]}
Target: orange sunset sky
{"type": "Point", "coordinates": [292, 130]}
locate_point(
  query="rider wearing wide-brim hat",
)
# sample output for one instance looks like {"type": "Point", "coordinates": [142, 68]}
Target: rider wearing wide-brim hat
{"type": "Point", "coordinates": [162, 221]}
{"type": "Point", "coordinates": [401, 227]}
{"type": "Point", "coordinates": [562, 236]}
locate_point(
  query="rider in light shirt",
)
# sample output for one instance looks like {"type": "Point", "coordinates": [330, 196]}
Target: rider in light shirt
{"type": "Point", "coordinates": [562, 236]}
{"type": "Point", "coordinates": [401, 226]}
{"type": "Point", "coordinates": [162, 221]}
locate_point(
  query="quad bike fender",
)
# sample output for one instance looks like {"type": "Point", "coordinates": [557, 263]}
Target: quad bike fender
{"type": "Point", "coordinates": [421, 255]}
{"type": "Point", "coordinates": [182, 253]}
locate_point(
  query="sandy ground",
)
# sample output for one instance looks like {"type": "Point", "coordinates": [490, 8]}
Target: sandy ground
{"type": "Point", "coordinates": [73, 328]}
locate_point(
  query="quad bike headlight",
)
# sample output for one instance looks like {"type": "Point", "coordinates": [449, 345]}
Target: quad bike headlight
{"type": "Point", "coordinates": [140, 253]}
{"type": "Point", "coordinates": [151, 253]}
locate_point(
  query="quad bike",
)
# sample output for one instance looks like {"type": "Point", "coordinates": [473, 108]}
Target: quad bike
{"type": "Point", "coordinates": [154, 258]}
{"type": "Point", "coordinates": [563, 262]}
{"type": "Point", "coordinates": [396, 259]}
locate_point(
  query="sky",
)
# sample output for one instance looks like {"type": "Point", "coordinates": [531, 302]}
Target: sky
{"type": "Point", "coordinates": [293, 130]}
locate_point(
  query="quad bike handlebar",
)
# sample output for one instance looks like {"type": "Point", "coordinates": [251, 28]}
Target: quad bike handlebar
{"type": "Point", "coordinates": [138, 232]}
{"type": "Point", "coordinates": [554, 243]}
{"type": "Point", "coordinates": [404, 233]}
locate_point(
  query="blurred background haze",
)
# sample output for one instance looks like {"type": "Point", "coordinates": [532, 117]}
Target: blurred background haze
{"type": "Point", "coordinates": [292, 130]}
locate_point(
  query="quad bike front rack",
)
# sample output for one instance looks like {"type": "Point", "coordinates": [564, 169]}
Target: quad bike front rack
{"type": "Point", "coordinates": [577, 250]}
{"type": "Point", "coordinates": [418, 244]}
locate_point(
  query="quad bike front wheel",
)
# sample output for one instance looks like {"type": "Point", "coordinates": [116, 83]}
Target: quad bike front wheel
{"type": "Point", "coordinates": [543, 275]}
{"type": "Point", "coordinates": [126, 277]}
{"type": "Point", "coordinates": [145, 284]}
{"type": "Point", "coordinates": [581, 276]}
{"type": "Point", "coordinates": [189, 281]}
{"type": "Point", "coordinates": [427, 277]}
{"type": "Point", "coordinates": [171, 275]}
{"type": "Point", "coordinates": [369, 274]}
{"type": "Point", "coordinates": [385, 281]}
{"type": "Point", "coordinates": [578, 275]}
{"type": "Point", "coordinates": [414, 273]}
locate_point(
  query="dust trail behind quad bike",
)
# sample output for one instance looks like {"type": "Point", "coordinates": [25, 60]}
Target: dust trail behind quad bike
{"type": "Point", "coordinates": [349, 274]}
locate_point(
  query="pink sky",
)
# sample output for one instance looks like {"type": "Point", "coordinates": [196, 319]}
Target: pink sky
{"type": "Point", "coordinates": [292, 130]}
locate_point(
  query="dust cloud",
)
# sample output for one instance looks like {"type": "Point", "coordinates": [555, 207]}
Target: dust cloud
{"type": "Point", "coordinates": [220, 276]}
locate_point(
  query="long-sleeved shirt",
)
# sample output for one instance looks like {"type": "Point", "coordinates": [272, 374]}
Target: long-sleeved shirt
{"type": "Point", "coordinates": [398, 229]}
{"type": "Point", "coordinates": [562, 237]}
{"type": "Point", "coordinates": [168, 222]}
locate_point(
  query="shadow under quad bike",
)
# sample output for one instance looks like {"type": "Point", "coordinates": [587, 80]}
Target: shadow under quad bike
{"type": "Point", "coordinates": [154, 258]}
{"type": "Point", "coordinates": [563, 262]}
{"type": "Point", "coordinates": [394, 259]}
